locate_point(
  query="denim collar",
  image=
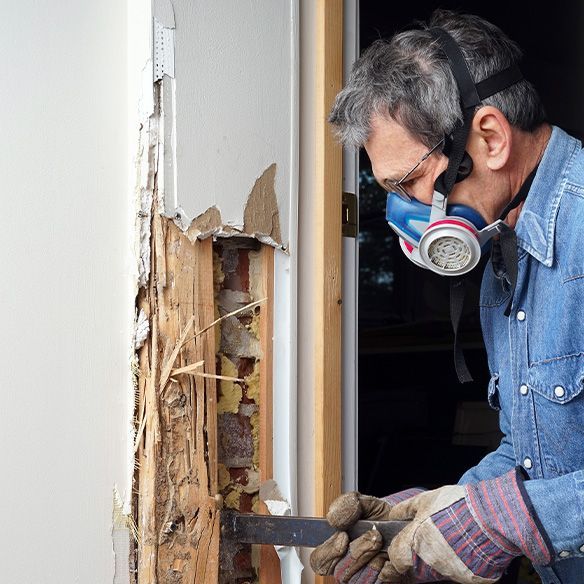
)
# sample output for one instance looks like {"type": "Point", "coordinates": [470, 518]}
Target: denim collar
{"type": "Point", "coordinates": [536, 225]}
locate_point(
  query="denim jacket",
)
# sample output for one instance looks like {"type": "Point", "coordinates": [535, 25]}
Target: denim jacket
{"type": "Point", "coordinates": [536, 356]}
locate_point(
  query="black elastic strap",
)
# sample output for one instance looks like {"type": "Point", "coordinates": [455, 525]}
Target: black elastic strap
{"type": "Point", "coordinates": [508, 239]}
{"type": "Point", "coordinates": [520, 196]}
{"type": "Point", "coordinates": [457, 294]}
{"type": "Point", "coordinates": [469, 99]}
{"type": "Point", "coordinates": [469, 96]}
{"type": "Point", "coordinates": [499, 81]}
{"type": "Point", "coordinates": [508, 245]}
{"type": "Point", "coordinates": [459, 139]}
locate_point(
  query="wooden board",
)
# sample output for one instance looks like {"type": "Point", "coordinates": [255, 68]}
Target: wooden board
{"type": "Point", "coordinates": [178, 519]}
{"type": "Point", "coordinates": [269, 560]}
{"type": "Point", "coordinates": [328, 250]}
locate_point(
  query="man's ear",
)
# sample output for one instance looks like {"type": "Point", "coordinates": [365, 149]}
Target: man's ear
{"type": "Point", "coordinates": [492, 136]}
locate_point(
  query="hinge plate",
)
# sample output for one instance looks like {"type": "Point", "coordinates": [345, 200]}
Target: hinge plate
{"type": "Point", "coordinates": [350, 215]}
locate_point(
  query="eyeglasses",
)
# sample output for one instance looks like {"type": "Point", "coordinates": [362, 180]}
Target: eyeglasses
{"type": "Point", "coordinates": [397, 185]}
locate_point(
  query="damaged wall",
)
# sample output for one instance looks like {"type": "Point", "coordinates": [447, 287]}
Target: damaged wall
{"type": "Point", "coordinates": [229, 115]}
{"type": "Point", "coordinates": [218, 158]}
{"type": "Point", "coordinates": [198, 417]}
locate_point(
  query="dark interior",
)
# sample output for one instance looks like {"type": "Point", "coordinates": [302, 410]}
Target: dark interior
{"type": "Point", "coordinates": [418, 426]}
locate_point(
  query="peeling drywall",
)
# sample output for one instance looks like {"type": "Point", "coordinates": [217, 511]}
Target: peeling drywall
{"type": "Point", "coordinates": [261, 217]}
{"type": "Point", "coordinates": [146, 167]}
{"type": "Point", "coordinates": [206, 224]}
{"type": "Point", "coordinates": [229, 109]}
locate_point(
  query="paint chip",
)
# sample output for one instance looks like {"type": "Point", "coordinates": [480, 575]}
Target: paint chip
{"type": "Point", "coordinates": [206, 224]}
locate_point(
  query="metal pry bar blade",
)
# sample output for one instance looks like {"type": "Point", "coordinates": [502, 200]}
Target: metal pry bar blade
{"type": "Point", "coordinates": [289, 530]}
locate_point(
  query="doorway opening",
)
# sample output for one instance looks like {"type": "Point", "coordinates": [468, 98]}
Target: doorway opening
{"type": "Point", "coordinates": [418, 426]}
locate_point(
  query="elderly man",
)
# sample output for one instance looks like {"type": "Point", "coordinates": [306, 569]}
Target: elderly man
{"type": "Point", "coordinates": [459, 140]}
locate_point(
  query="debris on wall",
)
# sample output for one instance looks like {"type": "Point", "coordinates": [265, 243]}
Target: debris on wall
{"type": "Point", "coordinates": [123, 533]}
{"type": "Point", "coordinates": [206, 224]}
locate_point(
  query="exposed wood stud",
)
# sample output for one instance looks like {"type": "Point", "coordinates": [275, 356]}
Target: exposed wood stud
{"type": "Point", "coordinates": [178, 519]}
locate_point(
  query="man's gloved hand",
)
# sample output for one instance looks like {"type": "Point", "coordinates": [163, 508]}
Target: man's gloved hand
{"type": "Point", "coordinates": [362, 559]}
{"type": "Point", "coordinates": [468, 534]}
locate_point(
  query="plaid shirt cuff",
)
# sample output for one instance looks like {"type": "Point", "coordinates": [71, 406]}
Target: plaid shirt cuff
{"type": "Point", "coordinates": [503, 510]}
{"type": "Point", "coordinates": [400, 496]}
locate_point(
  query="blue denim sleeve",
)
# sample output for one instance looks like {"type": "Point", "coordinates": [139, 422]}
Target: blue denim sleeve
{"type": "Point", "coordinates": [493, 465]}
{"type": "Point", "coordinates": [559, 505]}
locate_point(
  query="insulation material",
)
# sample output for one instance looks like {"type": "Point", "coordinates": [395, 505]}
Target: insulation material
{"type": "Point", "coordinates": [238, 402]}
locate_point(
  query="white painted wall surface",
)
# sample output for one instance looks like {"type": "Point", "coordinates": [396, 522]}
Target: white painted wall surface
{"type": "Point", "coordinates": [230, 111]}
{"type": "Point", "coordinates": [306, 285]}
{"type": "Point", "coordinates": [65, 288]}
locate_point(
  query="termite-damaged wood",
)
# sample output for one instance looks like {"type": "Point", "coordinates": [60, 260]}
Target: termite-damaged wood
{"type": "Point", "coordinates": [178, 519]}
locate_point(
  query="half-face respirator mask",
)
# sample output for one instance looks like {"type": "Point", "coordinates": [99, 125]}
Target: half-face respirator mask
{"type": "Point", "coordinates": [449, 239]}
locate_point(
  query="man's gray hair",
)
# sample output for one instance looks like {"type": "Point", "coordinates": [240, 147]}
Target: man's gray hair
{"type": "Point", "coordinates": [408, 78]}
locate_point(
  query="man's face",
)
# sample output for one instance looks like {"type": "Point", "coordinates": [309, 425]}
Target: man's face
{"type": "Point", "coordinates": [393, 151]}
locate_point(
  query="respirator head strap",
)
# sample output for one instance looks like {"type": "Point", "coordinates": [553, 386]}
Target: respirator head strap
{"type": "Point", "coordinates": [469, 100]}
{"type": "Point", "coordinates": [457, 295]}
{"type": "Point", "coordinates": [459, 162]}
{"type": "Point", "coordinates": [471, 96]}
{"type": "Point", "coordinates": [499, 81]}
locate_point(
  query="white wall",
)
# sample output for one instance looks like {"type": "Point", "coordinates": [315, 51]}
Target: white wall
{"type": "Point", "coordinates": [65, 288]}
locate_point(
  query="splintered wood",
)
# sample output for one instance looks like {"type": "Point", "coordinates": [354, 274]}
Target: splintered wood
{"type": "Point", "coordinates": [176, 442]}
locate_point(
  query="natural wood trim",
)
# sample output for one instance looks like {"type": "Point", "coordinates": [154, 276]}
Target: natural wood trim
{"type": "Point", "coordinates": [269, 560]}
{"type": "Point", "coordinates": [328, 259]}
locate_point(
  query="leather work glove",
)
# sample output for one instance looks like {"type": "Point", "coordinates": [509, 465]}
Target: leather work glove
{"type": "Point", "coordinates": [362, 559]}
{"type": "Point", "coordinates": [468, 534]}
